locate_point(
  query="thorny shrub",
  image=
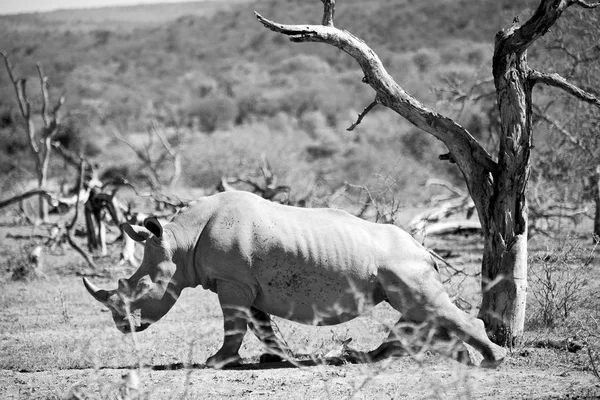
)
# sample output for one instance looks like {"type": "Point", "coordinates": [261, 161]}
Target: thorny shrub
{"type": "Point", "coordinates": [25, 264]}
{"type": "Point", "coordinates": [557, 283]}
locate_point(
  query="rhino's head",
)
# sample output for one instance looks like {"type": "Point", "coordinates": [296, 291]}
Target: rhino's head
{"type": "Point", "coordinates": [152, 290]}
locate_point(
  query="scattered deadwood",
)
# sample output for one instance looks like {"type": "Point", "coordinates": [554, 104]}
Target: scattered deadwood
{"type": "Point", "coordinates": [569, 344]}
{"type": "Point", "coordinates": [268, 189]}
{"type": "Point", "coordinates": [385, 211]}
{"type": "Point", "coordinates": [59, 232]}
{"type": "Point", "coordinates": [157, 161]}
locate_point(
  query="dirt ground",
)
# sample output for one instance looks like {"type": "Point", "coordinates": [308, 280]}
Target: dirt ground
{"type": "Point", "coordinates": [58, 342]}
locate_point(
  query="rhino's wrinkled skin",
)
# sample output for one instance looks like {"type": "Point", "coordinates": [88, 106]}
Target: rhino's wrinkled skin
{"type": "Point", "coordinates": [314, 266]}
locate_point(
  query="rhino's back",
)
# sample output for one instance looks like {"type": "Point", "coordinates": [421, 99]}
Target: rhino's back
{"type": "Point", "coordinates": [253, 229]}
{"type": "Point", "coordinates": [311, 258]}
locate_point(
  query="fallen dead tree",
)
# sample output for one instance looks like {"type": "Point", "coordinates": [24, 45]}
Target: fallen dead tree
{"type": "Point", "coordinates": [54, 199]}
{"type": "Point", "coordinates": [435, 221]}
{"type": "Point", "coordinates": [461, 226]}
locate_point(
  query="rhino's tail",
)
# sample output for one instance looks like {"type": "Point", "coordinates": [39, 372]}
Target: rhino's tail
{"type": "Point", "coordinates": [435, 256]}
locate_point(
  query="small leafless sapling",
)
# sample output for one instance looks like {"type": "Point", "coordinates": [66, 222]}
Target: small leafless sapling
{"type": "Point", "coordinates": [40, 140]}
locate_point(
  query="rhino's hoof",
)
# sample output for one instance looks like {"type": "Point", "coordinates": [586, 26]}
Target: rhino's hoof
{"type": "Point", "coordinates": [220, 362]}
{"type": "Point", "coordinates": [491, 363]}
{"type": "Point", "coordinates": [269, 358]}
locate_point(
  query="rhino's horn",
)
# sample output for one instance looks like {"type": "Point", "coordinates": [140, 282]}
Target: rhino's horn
{"type": "Point", "coordinates": [99, 294]}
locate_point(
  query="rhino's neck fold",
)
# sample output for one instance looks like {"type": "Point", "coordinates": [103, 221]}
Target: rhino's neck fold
{"type": "Point", "coordinates": [183, 255]}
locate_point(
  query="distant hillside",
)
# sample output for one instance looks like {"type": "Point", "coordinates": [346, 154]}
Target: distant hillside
{"type": "Point", "coordinates": [210, 66]}
{"type": "Point", "coordinates": [155, 52]}
{"type": "Point", "coordinates": [121, 18]}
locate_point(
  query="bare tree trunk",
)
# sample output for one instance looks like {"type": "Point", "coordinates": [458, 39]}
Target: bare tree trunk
{"type": "Point", "coordinates": [504, 285]}
{"type": "Point", "coordinates": [504, 267]}
{"type": "Point", "coordinates": [43, 173]}
{"type": "Point", "coordinates": [42, 203]}
{"type": "Point", "coordinates": [90, 227]}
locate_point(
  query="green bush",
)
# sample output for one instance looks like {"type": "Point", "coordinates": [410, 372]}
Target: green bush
{"type": "Point", "coordinates": [557, 284]}
{"type": "Point", "coordinates": [74, 134]}
{"type": "Point", "coordinates": [417, 143]}
{"type": "Point", "coordinates": [14, 142]}
{"type": "Point", "coordinates": [7, 118]}
{"type": "Point", "coordinates": [426, 59]}
{"type": "Point", "coordinates": [214, 112]}
{"type": "Point", "coordinates": [314, 123]}
{"type": "Point", "coordinates": [302, 63]}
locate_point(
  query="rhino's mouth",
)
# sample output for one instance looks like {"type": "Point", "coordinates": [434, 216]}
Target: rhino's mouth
{"type": "Point", "coordinates": [126, 328]}
{"type": "Point", "coordinates": [131, 322]}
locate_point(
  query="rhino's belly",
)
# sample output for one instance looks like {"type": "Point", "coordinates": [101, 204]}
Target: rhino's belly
{"type": "Point", "coordinates": [318, 300]}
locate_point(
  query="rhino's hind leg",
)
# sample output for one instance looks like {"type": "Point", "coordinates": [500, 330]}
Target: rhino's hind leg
{"type": "Point", "coordinates": [422, 299]}
{"type": "Point", "coordinates": [409, 338]}
{"type": "Point", "coordinates": [260, 325]}
{"type": "Point", "coordinates": [235, 302]}
{"type": "Point", "coordinates": [472, 331]}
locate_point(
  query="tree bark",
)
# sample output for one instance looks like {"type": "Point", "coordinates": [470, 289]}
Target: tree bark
{"type": "Point", "coordinates": [504, 266]}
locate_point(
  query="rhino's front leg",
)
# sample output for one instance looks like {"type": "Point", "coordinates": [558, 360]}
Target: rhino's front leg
{"type": "Point", "coordinates": [235, 302]}
{"type": "Point", "coordinates": [260, 325]}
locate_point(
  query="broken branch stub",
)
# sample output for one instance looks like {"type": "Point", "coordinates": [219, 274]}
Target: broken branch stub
{"type": "Point", "coordinates": [328, 11]}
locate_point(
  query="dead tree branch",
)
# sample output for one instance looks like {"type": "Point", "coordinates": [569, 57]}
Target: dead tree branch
{"type": "Point", "coordinates": [269, 190]}
{"type": "Point", "coordinates": [329, 10]}
{"type": "Point", "coordinates": [362, 114]}
{"type": "Point", "coordinates": [71, 225]}
{"type": "Point", "coordinates": [52, 199]}
{"type": "Point", "coordinates": [559, 82]}
{"type": "Point", "coordinates": [583, 4]}
{"type": "Point", "coordinates": [468, 152]}
{"type": "Point", "coordinates": [447, 185]}
{"type": "Point", "coordinates": [23, 196]}
{"type": "Point", "coordinates": [155, 164]}
{"type": "Point", "coordinates": [564, 132]}
{"type": "Point", "coordinates": [474, 94]}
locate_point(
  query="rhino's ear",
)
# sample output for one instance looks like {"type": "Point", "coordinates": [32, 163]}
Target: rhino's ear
{"type": "Point", "coordinates": [137, 233]}
{"type": "Point", "coordinates": [152, 224]}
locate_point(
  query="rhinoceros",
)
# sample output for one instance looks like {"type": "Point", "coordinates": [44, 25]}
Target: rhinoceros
{"type": "Point", "coordinates": [313, 266]}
